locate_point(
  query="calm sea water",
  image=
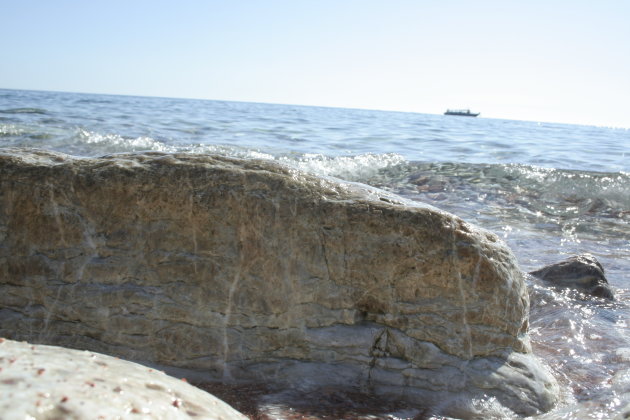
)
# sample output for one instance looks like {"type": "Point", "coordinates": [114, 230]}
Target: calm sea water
{"type": "Point", "coordinates": [550, 190]}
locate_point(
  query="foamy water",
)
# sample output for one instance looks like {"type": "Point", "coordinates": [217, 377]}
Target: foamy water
{"type": "Point", "coordinates": [549, 190]}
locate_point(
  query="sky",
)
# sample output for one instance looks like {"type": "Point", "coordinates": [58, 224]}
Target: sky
{"type": "Point", "coordinates": [539, 60]}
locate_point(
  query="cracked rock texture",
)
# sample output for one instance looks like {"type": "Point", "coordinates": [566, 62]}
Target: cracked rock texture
{"type": "Point", "coordinates": [247, 270]}
{"type": "Point", "coordinates": [48, 382]}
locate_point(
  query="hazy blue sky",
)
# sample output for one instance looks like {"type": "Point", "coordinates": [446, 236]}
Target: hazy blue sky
{"type": "Point", "coordinates": [545, 60]}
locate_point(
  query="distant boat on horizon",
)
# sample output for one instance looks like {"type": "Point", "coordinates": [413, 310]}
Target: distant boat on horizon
{"type": "Point", "coordinates": [461, 112]}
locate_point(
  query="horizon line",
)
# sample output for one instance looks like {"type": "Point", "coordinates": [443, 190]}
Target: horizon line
{"type": "Point", "coordinates": [613, 127]}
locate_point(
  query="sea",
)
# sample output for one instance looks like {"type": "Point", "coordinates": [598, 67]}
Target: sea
{"type": "Point", "coordinates": [550, 191]}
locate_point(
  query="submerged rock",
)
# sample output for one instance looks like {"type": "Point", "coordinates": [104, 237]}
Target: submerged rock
{"type": "Point", "coordinates": [48, 382]}
{"type": "Point", "coordinates": [247, 270]}
{"type": "Point", "coordinates": [582, 272]}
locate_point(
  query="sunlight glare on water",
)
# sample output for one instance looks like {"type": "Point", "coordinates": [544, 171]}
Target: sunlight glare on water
{"type": "Point", "coordinates": [549, 190]}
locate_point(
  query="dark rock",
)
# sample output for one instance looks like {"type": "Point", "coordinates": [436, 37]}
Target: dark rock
{"type": "Point", "coordinates": [581, 272]}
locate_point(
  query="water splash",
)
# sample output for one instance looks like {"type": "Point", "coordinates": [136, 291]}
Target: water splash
{"type": "Point", "coordinates": [10, 130]}
{"type": "Point", "coordinates": [115, 143]}
{"type": "Point", "coordinates": [349, 168]}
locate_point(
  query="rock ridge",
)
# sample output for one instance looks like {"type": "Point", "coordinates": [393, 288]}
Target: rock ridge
{"type": "Point", "coordinates": [248, 270]}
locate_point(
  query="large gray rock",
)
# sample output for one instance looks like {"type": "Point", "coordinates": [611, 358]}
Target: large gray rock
{"type": "Point", "coordinates": [47, 382]}
{"type": "Point", "coordinates": [252, 271]}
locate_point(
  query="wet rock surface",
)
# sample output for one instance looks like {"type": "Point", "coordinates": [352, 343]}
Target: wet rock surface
{"type": "Point", "coordinates": [48, 382]}
{"type": "Point", "coordinates": [246, 270]}
{"type": "Point", "coordinates": [260, 402]}
{"type": "Point", "coordinates": [581, 272]}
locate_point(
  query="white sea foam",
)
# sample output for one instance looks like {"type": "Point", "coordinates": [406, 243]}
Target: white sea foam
{"type": "Point", "coordinates": [488, 408]}
{"type": "Point", "coordinates": [350, 168]}
{"type": "Point", "coordinates": [10, 130]}
{"type": "Point", "coordinates": [118, 143]}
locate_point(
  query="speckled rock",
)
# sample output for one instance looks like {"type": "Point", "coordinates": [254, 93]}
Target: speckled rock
{"type": "Point", "coordinates": [248, 270]}
{"type": "Point", "coordinates": [580, 272]}
{"type": "Point", "coordinates": [48, 382]}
